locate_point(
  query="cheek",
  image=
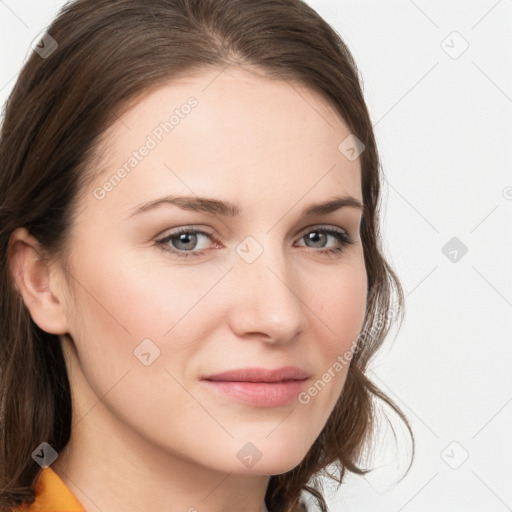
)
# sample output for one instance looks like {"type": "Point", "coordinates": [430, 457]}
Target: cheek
{"type": "Point", "coordinates": [141, 297]}
{"type": "Point", "coordinates": [124, 303]}
{"type": "Point", "coordinates": [340, 303]}
{"type": "Point", "coordinates": [337, 319]}
{"type": "Point", "coordinates": [118, 306]}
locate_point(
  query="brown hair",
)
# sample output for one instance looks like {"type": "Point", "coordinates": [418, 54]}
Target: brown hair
{"type": "Point", "coordinates": [109, 53]}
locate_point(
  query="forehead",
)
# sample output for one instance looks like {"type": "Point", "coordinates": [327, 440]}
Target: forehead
{"type": "Point", "coordinates": [226, 129]}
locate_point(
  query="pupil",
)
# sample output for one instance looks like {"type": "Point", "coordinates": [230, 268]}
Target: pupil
{"type": "Point", "coordinates": [315, 236]}
{"type": "Point", "coordinates": [185, 238]}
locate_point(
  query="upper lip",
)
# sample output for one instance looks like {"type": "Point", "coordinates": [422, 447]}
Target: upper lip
{"type": "Point", "coordinates": [260, 375]}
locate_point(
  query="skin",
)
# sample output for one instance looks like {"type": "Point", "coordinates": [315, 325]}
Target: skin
{"type": "Point", "coordinates": [147, 436]}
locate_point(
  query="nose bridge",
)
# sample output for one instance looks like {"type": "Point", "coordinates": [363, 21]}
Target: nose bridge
{"type": "Point", "coordinates": [268, 296]}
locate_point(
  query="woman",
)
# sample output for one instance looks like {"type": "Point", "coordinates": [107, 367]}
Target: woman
{"type": "Point", "coordinates": [193, 283]}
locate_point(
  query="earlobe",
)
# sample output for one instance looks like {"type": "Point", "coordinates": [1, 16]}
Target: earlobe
{"type": "Point", "coordinates": [36, 283]}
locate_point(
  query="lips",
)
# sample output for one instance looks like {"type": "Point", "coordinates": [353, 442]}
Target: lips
{"type": "Point", "coordinates": [259, 387]}
{"type": "Point", "coordinates": [283, 374]}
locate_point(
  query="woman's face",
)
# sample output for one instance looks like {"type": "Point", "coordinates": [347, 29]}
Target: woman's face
{"type": "Point", "coordinates": [254, 290]}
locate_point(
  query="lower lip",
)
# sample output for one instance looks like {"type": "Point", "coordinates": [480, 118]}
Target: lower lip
{"type": "Point", "coordinates": [261, 394]}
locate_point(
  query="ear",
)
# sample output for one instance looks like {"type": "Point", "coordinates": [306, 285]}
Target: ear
{"type": "Point", "coordinates": [39, 282]}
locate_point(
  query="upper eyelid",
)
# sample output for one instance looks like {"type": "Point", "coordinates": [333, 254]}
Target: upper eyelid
{"type": "Point", "coordinates": [194, 228]}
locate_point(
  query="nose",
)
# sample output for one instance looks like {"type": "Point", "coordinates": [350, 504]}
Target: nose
{"type": "Point", "coordinates": [266, 298]}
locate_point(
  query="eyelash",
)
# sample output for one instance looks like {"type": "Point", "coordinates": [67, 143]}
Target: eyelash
{"type": "Point", "coordinates": [343, 238]}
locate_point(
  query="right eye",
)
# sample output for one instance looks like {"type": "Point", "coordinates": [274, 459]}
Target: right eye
{"type": "Point", "coordinates": [187, 238]}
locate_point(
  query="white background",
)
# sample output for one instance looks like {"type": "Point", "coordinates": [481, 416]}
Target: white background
{"type": "Point", "coordinates": [443, 121]}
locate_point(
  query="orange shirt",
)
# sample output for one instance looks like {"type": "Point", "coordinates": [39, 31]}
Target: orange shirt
{"type": "Point", "coordinates": [52, 495]}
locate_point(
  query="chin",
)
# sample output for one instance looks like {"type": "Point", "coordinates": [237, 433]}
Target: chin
{"type": "Point", "coordinates": [276, 463]}
{"type": "Point", "coordinates": [278, 468]}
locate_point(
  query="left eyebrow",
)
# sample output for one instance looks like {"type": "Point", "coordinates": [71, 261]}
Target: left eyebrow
{"type": "Point", "coordinates": [332, 205]}
{"type": "Point", "coordinates": [228, 209]}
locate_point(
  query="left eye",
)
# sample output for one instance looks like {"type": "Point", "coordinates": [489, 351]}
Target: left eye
{"type": "Point", "coordinates": [184, 241]}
